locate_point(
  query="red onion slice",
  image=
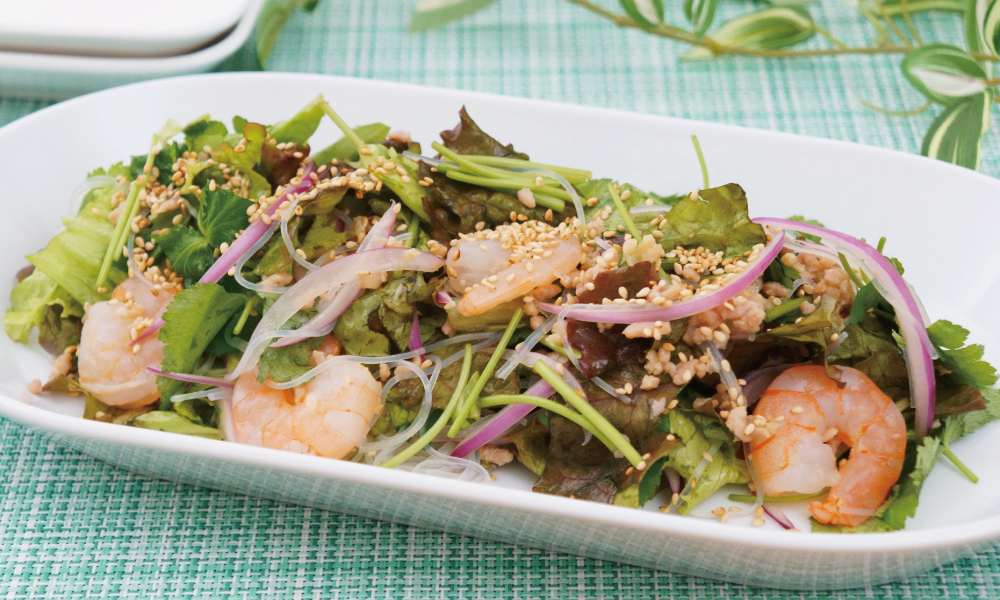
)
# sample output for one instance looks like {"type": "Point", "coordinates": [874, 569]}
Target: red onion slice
{"type": "Point", "coordinates": [493, 427]}
{"type": "Point", "coordinates": [415, 342]}
{"type": "Point", "coordinates": [778, 515]}
{"type": "Point", "coordinates": [674, 479]}
{"type": "Point", "coordinates": [193, 378]}
{"type": "Point", "coordinates": [377, 238]}
{"type": "Point", "coordinates": [327, 278]}
{"type": "Point", "coordinates": [700, 302]}
{"type": "Point", "coordinates": [898, 293]}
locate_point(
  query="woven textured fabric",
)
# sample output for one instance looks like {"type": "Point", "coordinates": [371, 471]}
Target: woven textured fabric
{"type": "Point", "coordinates": [73, 527]}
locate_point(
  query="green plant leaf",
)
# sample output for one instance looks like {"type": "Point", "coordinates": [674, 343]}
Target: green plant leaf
{"type": "Point", "coordinates": [430, 14]}
{"type": "Point", "coordinates": [956, 136]}
{"type": "Point", "coordinates": [700, 14]}
{"type": "Point", "coordinates": [273, 16]}
{"type": "Point", "coordinates": [768, 29]}
{"type": "Point", "coordinates": [943, 73]}
{"type": "Point", "coordinates": [648, 13]}
{"type": "Point", "coordinates": [300, 127]}
{"type": "Point", "coordinates": [982, 26]}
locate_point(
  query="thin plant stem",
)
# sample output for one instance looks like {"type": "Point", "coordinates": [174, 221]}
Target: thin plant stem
{"type": "Point", "coordinates": [674, 33]}
{"type": "Point", "coordinates": [897, 113]}
{"type": "Point", "coordinates": [629, 223]}
{"type": "Point", "coordinates": [905, 11]}
{"type": "Point", "coordinates": [892, 24]}
{"type": "Point", "coordinates": [435, 429]}
{"type": "Point", "coordinates": [778, 499]}
{"type": "Point", "coordinates": [549, 405]}
{"type": "Point", "coordinates": [701, 162]}
{"type": "Point", "coordinates": [829, 37]}
{"type": "Point", "coordinates": [959, 464]}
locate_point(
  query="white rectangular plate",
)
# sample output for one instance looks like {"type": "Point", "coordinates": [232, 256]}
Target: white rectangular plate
{"type": "Point", "coordinates": [934, 215]}
{"type": "Point", "coordinates": [115, 27]}
{"type": "Point", "coordinates": [58, 76]}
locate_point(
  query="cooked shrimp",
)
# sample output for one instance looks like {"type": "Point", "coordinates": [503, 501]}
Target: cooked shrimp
{"type": "Point", "coordinates": [819, 414]}
{"type": "Point", "coordinates": [503, 280]}
{"type": "Point", "coordinates": [327, 416]}
{"type": "Point", "coordinates": [110, 368]}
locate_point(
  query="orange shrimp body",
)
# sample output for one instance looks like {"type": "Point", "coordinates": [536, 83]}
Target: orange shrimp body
{"type": "Point", "coordinates": [816, 415]}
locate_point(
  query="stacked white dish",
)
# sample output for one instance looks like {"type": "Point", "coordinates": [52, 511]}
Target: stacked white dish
{"type": "Point", "coordinates": [56, 49]}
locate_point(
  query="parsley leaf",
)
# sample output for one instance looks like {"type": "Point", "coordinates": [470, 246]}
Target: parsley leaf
{"type": "Point", "coordinates": [222, 215]}
{"type": "Point", "coordinates": [189, 252]}
{"type": "Point", "coordinates": [192, 320]}
{"type": "Point", "coordinates": [958, 363]}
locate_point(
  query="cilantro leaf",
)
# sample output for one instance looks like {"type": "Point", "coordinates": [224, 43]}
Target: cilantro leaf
{"type": "Point", "coordinates": [960, 364]}
{"type": "Point", "coordinates": [189, 252]}
{"type": "Point", "coordinates": [222, 215]}
{"type": "Point", "coordinates": [192, 320]}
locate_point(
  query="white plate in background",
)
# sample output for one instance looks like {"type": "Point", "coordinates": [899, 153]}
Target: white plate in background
{"type": "Point", "coordinates": [930, 211]}
{"type": "Point", "coordinates": [58, 76]}
{"type": "Point", "coordinates": [147, 28]}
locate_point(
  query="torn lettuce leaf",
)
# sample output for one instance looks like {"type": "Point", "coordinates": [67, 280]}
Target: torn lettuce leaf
{"type": "Point", "coordinates": [30, 301]}
{"type": "Point", "coordinates": [381, 319]}
{"type": "Point", "coordinates": [245, 161]}
{"type": "Point", "coordinates": [172, 422]}
{"type": "Point", "coordinates": [718, 221]}
{"type": "Point", "coordinates": [468, 138]}
{"type": "Point", "coordinates": [73, 257]}
{"type": "Point", "coordinates": [598, 188]}
{"type": "Point", "coordinates": [455, 207]}
{"type": "Point", "coordinates": [698, 432]}
{"type": "Point", "coordinates": [300, 127]}
{"type": "Point", "coordinates": [344, 150]}
{"type": "Point", "coordinates": [192, 320]}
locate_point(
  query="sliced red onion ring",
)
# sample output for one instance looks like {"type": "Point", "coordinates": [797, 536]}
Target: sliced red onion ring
{"type": "Point", "coordinates": [242, 245]}
{"type": "Point", "coordinates": [700, 302]}
{"type": "Point", "coordinates": [779, 516]}
{"type": "Point", "coordinates": [898, 293]}
{"type": "Point", "coordinates": [491, 428]}
{"type": "Point", "coordinates": [443, 298]}
{"type": "Point", "coordinates": [330, 277]}
{"type": "Point", "coordinates": [202, 379]}
{"type": "Point", "coordinates": [415, 341]}
{"type": "Point", "coordinates": [377, 238]}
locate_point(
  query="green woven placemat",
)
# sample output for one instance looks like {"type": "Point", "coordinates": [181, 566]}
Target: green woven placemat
{"type": "Point", "coordinates": [73, 527]}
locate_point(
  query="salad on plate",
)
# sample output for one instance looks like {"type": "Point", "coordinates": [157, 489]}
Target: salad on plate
{"type": "Point", "coordinates": [454, 309]}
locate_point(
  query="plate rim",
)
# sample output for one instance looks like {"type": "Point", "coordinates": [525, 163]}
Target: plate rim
{"type": "Point", "coordinates": [946, 537]}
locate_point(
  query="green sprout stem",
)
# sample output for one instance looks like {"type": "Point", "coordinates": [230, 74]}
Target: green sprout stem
{"type": "Point", "coordinates": [629, 223]}
{"type": "Point", "coordinates": [577, 401]}
{"type": "Point", "coordinates": [549, 198]}
{"type": "Point", "coordinates": [959, 464]}
{"type": "Point", "coordinates": [245, 315]}
{"type": "Point", "coordinates": [778, 499]}
{"type": "Point", "coordinates": [785, 307]}
{"type": "Point", "coordinates": [571, 175]}
{"type": "Point", "coordinates": [352, 137]}
{"type": "Point", "coordinates": [438, 425]}
{"type": "Point", "coordinates": [560, 349]}
{"type": "Point", "coordinates": [477, 388]}
{"type": "Point", "coordinates": [549, 405]}
{"type": "Point", "coordinates": [850, 271]}
{"type": "Point", "coordinates": [701, 162]}
{"type": "Point", "coordinates": [130, 209]}
{"type": "Point", "coordinates": [881, 244]}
